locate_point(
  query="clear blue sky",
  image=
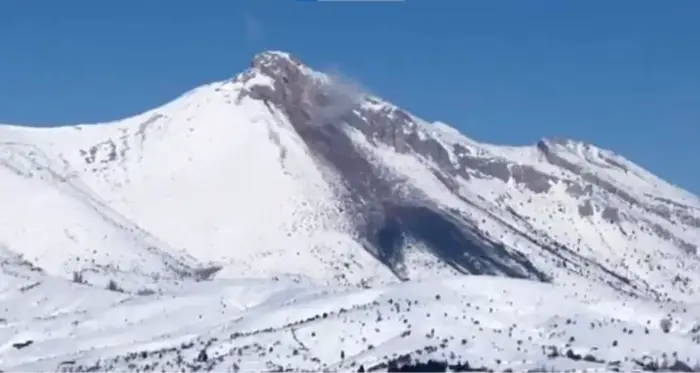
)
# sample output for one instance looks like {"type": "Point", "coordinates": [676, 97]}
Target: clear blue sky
{"type": "Point", "coordinates": [622, 74]}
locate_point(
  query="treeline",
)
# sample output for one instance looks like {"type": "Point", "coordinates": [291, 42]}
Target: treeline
{"type": "Point", "coordinates": [430, 366]}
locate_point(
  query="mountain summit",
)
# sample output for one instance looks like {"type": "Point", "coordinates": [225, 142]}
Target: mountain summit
{"type": "Point", "coordinates": [287, 174]}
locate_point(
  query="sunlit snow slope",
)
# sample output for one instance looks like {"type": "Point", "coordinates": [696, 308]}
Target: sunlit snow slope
{"type": "Point", "coordinates": [284, 171]}
{"type": "Point", "coordinates": [287, 174]}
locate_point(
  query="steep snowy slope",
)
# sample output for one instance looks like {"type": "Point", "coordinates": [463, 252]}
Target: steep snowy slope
{"type": "Point", "coordinates": [550, 211]}
{"type": "Point", "coordinates": [284, 171]}
{"type": "Point", "coordinates": [225, 182]}
{"type": "Point", "coordinates": [58, 224]}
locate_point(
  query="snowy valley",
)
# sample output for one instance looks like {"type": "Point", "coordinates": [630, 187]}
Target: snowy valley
{"type": "Point", "coordinates": [284, 219]}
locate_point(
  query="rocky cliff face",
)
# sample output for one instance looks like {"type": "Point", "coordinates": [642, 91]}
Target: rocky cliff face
{"type": "Point", "coordinates": [601, 189]}
{"type": "Point", "coordinates": [385, 208]}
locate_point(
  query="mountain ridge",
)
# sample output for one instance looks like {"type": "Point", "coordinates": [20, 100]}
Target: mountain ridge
{"type": "Point", "coordinates": [368, 172]}
{"type": "Point", "coordinates": [249, 211]}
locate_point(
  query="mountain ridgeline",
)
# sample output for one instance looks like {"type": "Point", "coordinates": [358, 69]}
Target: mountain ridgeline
{"type": "Point", "coordinates": [286, 171]}
{"type": "Point", "coordinates": [233, 227]}
{"type": "Point", "coordinates": [386, 208]}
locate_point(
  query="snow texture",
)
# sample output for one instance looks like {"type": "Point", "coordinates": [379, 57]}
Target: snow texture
{"type": "Point", "coordinates": [287, 219]}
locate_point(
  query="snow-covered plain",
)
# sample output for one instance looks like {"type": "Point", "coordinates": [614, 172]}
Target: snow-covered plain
{"type": "Point", "coordinates": [232, 218]}
{"type": "Point", "coordinates": [258, 325]}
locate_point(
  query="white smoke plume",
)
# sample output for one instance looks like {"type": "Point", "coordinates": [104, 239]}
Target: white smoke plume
{"type": "Point", "coordinates": [253, 30]}
{"type": "Point", "coordinates": [333, 98]}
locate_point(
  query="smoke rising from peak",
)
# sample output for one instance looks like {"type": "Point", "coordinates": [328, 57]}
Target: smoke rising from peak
{"type": "Point", "coordinates": [253, 30]}
{"type": "Point", "coordinates": [332, 99]}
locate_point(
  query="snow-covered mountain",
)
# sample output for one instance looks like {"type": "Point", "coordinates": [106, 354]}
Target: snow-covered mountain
{"type": "Point", "coordinates": [288, 174]}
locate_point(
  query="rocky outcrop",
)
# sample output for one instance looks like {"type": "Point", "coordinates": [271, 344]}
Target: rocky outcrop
{"type": "Point", "coordinates": [318, 110]}
{"type": "Point", "coordinates": [324, 110]}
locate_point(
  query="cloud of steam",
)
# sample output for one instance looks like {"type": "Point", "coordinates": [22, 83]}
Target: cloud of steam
{"type": "Point", "coordinates": [253, 29]}
{"type": "Point", "coordinates": [333, 100]}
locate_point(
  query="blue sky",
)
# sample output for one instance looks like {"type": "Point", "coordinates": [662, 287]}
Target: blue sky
{"type": "Point", "coordinates": [622, 74]}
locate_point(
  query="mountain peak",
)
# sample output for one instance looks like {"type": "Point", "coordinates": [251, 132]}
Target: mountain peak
{"type": "Point", "coordinates": [268, 58]}
{"type": "Point", "coordinates": [280, 66]}
{"type": "Point", "coordinates": [307, 96]}
{"type": "Point", "coordinates": [564, 142]}
{"type": "Point", "coordinates": [581, 148]}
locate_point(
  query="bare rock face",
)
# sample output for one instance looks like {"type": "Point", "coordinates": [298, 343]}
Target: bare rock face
{"type": "Point", "coordinates": [320, 111]}
{"type": "Point", "coordinates": [387, 208]}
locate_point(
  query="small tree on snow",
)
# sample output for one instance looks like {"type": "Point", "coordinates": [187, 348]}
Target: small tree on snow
{"type": "Point", "coordinates": [665, 324]}
{"type": "Point", "coordinates": [78, 278]}
{"type": "Point", "coordinates": [113, 286]}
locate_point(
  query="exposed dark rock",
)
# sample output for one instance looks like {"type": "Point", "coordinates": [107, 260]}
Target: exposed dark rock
{"type": "Point", "coordinates": [21, 345]}
{"type": "Point", "coordinates": [381, 215]}
{"type": "Point", "coordinates": [386, 210]}
{"type": "Point", "coordinates": [611, 214]}
{"type": "Point", "coordinates": [586, 209]}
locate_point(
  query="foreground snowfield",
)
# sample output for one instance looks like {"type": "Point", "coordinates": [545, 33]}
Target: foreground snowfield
{"type": "Point", "coordinates": [258, 325]}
